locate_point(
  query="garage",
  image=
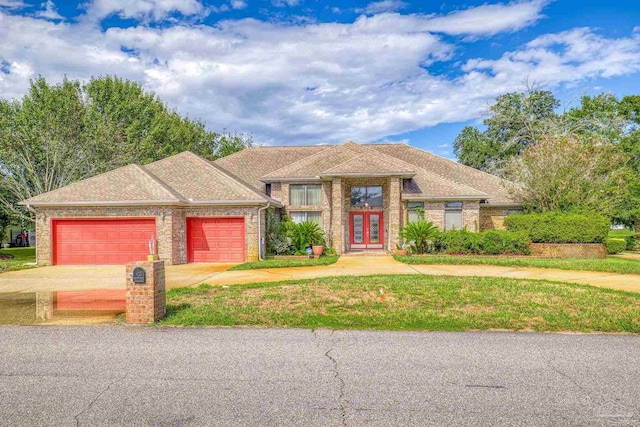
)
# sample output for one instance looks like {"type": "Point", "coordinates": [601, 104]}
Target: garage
{"type": "Point", "coordinates": [215, 240]}
{"type": "Point", "coordinates": [101, 241]}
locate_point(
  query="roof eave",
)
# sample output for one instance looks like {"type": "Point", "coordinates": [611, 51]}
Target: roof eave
{"type": "Point", "coordinates": [123, 203]}
{"type": "Point", "coordinates": [289, 179]}
{"type": "Point", "coordinates": [368, 174]}
{"type": "Point", "coordinates": [410, 197]}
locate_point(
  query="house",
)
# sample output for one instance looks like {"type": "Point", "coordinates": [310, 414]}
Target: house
{"type": "Point", "coordinates": [202, 211]}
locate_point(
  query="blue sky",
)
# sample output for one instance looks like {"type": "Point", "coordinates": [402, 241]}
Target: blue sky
{"type": "Point", "coordinates": [313, 72]}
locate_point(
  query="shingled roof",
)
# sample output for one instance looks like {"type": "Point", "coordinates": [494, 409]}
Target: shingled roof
{"type": "Point", "coordinates": [432, 176]}
{"type": "Point", "coordinates": [181, 179]}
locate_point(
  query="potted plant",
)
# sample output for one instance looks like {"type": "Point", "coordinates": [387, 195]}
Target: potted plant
{"type": "Point", "coordinates": [401, 247]}
{"type": "Point", "coordinates": [317, 244]}
{"type": "Point", "coordinates": [309, 234]}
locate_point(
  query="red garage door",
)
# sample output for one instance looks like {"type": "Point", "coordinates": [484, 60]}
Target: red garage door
{"type": "Point", "coordinates": [215, 240]}
{"type": "Point", "coordinates": [101, 241]}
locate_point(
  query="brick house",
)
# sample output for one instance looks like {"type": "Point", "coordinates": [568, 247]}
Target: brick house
{"type": "Point", "coordinates": [201, 211]}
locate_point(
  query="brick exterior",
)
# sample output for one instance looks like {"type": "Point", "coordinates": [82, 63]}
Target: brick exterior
{"type": "Point", "coordinates": [568, 250]}
{"type": "Point", "coordinates": [337, 215]}
{"type": "Point", "coordinates": [146, 302]}
{"type": "Point", "coordinates": [471, 215]}
{"type": "Point", "coordinates": [492, 218]}
{"type": "Point", "coordinates": [170, 226]}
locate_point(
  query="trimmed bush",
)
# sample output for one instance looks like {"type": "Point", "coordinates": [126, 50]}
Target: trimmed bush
{"type": "Point", "coordinates": [560, 227]}
{"type": "Point", "coordinates": [632, 242]}
{"type": "Point", "coordinates": [492, 242]}
{"type": "Point", "coordinates": [615, 246]}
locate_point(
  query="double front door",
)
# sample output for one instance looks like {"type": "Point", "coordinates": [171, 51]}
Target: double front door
{"type": "Point", "coordinates": [366, 230]}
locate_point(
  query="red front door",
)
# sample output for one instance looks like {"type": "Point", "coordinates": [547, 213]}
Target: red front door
{"type": "Point", "coordinates": [366, 230]}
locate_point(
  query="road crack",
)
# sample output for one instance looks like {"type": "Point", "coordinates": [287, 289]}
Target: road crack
{"type": "Point", "coordinates": [93, 401]}
{"type": "Point", "coordinates": [341, 386]}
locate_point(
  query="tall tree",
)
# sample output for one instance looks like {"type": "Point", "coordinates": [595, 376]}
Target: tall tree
{"type": "Point", "coordinates": [564, 173]}
{"type": "Point", "coordinates": [58, 134]}
{"type": "Point", "coordinates": [517, 120]}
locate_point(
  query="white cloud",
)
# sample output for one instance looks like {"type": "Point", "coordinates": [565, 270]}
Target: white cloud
{"type": "Point", "coordinates": [489, 19]}
{"type": "Point", "coordinates": [12, 4]}
{"type": "Point", "coordinates": [50, 11]}
{"type": "Point", "coordinates": [383, 6]}
{"type": "Point", "coordinates": [144, 10]}
{"type": "Point", "coordinates": [305, 83]}
{"type": "Point", "coordinates": [285, 3]}
{"type": "Point", "coordinates": [238, 4]}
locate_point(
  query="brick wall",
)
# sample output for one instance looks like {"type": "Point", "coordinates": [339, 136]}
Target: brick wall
{"type": "Point", "coordinates": [471, 215]}
{"type": "Point", "coordinates": [492, 218]}
{"type": "Point", "coordinates": [568, 250]}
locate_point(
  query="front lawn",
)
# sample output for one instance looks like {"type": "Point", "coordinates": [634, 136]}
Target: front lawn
{"type": "Point", "coordinates": [621, 234]}
{"type": "Point", "coordinates": [411, 302]}
{"type": "Point", "coordinates": [286, 262]}
{"type": "Point", "coordinates": [609, 265]}
{"type": "Point", "coordinates": [21, 256]}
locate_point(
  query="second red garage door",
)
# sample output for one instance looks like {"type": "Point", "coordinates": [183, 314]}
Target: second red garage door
{"type": "Point", "coordinates": [215, 240]}
{"type": "Point", "coordinates": [101, 241]}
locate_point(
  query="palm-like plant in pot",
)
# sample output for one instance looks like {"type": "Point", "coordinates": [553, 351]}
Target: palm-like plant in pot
{"type": "Point", "coordinates": [309, 234]}
{"type": "Point", "coordinates": [419, 234]}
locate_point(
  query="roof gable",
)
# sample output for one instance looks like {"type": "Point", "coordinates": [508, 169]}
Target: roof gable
{"type": "Point", "coordinates": [198, 180]}
{"type": "Point", "coordinates": [126, 184]}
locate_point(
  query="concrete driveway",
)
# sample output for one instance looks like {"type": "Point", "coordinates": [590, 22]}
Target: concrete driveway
{"type": "Point", "coordinates": [77, 278]}
{"type": "Point", "coordinates": [62, 278]}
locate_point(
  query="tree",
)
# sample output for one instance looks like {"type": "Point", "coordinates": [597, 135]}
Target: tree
{"type": "Point", "coordinates": [564, 173]}
{"type": "Point", "coordinates": [58, 134]}
{"type": "Point", "coordinates": [517, 120]}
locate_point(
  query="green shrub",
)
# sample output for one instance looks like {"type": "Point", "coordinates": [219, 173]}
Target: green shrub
{"type": "Point", "coordinates": [632, 242]}
{"type": "Point", "coordinates": [561, 227]}
{"type": "Point", "coordinates": [278, 238]}
{"type": "Point", "coordinates": [419, 235]}
{"type": "Point", "coordinates": [461, 242]}
{"type": "Point", "coordinates": [615, 246]}
{"type": "Point", "coordinates": [492, 242]}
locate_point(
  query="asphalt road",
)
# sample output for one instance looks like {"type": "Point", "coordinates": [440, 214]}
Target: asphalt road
{"type": "Point", "coordinates": [173, 377]}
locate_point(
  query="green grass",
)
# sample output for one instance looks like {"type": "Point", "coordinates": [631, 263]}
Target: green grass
{"type": "Point", "coordinates": [621, 233]}
{"type": "Point", "coordinates": [286, 262]}
{"type": "Point", "coordinates": [609, 265]}
{"type": "Point", "coordinates": [413, 302]}
{"type": "Point", "coordinates": [21, 257]}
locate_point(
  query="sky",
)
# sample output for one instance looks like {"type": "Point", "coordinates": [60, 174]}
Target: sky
{"type": "Point", "coordinates": [294, 72]}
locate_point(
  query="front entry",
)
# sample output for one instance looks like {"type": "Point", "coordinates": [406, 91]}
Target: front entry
{"type": "Point", "coordinates": [366, 230]}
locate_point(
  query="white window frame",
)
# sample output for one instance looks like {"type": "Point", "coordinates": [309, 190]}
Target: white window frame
{"type": "Point", "coordinates": [306, 216]}
{"type": "Point", "coordinates": [411, 209]}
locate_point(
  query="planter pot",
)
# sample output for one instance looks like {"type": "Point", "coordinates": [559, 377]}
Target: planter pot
{"type": "Point", "coordinates": [402, 251]}
{"type": "Point", "coordinates": [317, 250]}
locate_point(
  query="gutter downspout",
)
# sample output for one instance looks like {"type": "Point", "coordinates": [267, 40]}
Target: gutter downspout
{"type": "Point", "coordinates": [259, 229]}
{"type": "Point", "coordinates": [33, 211]}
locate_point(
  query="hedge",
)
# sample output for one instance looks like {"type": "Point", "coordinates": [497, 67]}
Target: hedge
{"type": "Point", "coordinates": [492, 242]}
{"type": "Point", "coordinates": [615, 246]}
{"type": "Point", "coordinates": [561, 227]}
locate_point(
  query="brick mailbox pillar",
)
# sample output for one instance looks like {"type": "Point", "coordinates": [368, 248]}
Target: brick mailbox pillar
{"type": "Point", "coordinates": [146, 300]}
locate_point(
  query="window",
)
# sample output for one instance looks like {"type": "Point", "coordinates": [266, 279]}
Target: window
{"type": "Point", "coordinates": [299, 217]}
{"type": "Point", "coordinates": [305, 195]}
{"type": "Point", "coordinates": [453, 216]}
{"type": "Point", "coordinates": [370, 195]}
{"type": "Point", "coordinates": [415, 211]}
{"type": "Point", "coordinates": [267, 189]}
{"type": "Point", "coordinates": [514, 211]}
